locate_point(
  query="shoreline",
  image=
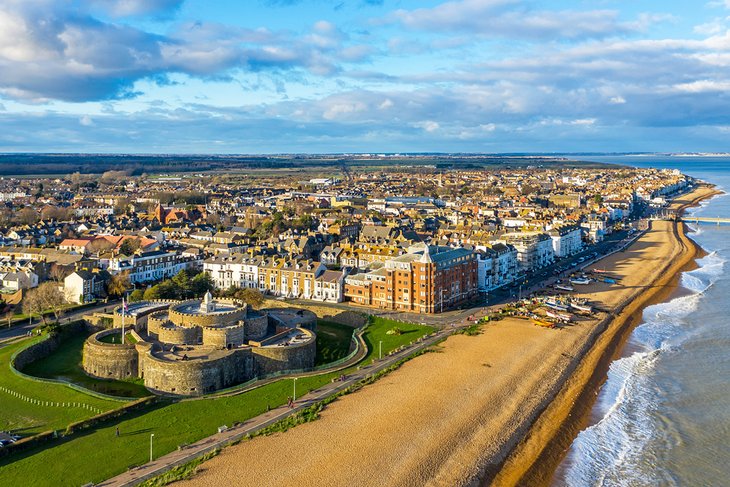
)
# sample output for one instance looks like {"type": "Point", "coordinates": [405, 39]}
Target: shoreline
{"type": "Point", "coordinates": [514, 382]}
{"type": "Point", "coordinates": [536, 458]}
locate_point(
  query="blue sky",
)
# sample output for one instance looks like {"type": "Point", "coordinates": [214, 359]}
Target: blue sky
{"type": "Point", "coordinates": [271, 76]}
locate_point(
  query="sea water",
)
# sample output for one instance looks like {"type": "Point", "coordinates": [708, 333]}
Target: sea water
{"type": "Point", "coordinates": [663, 416]}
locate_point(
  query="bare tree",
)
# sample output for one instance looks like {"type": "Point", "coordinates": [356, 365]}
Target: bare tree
{"type": "Point", "coordinates": [32, 304]}
{"type": "Point", "coordinates": [58, 272]}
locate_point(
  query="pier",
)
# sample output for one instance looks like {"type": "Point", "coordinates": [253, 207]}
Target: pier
{"type": "Point", "coordinates": [700, 219]}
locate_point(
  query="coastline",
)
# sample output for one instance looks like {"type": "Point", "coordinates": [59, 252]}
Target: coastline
{"type": "Point", "coordinates": [484, 410]}
{"type": "Point", "coordinates": [536, 458]}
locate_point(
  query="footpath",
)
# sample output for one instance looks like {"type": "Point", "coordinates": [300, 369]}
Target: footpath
{"type": "Point", "coordinates": [225, 437]}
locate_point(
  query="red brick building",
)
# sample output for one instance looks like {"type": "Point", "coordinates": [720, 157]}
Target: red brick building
{"type": "Point", "coordinates": [428, 279]}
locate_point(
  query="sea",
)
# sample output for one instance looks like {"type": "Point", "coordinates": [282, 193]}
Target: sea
{"type": "Point", "coordinates": [662, 418]}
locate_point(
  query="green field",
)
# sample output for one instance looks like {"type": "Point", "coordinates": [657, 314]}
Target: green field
{"type": "Point", "coordinates": [98, 454]}
{"type": "Point", "coordinates": [333, 341]}
{"type": "Point", "coordinates": [65, 364]}
{"type": "Point", "coordinates": [115, 338]}
{"type": "Point", "coordinates": [27, 418]}
{"type": "Point", "coordinates": [378, 332]}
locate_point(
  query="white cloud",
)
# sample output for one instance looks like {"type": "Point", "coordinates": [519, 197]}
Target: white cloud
{"type": "Point", "coordinates": [428, 125]}
{"type": "Point", "coordinates": [86, 121]}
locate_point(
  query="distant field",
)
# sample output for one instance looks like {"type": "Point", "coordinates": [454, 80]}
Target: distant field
{"type": "Point", "coordinates": [57, 165]}
{"type": "Point", "coordinates": [98, 454]}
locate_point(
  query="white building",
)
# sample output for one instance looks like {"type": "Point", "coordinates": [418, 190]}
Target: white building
{"type": "Point", "coordinates": [566, 240]}
{"type": "Point", "coordinates": [151, 266]}
{"type": "Point", "coordinates": [534, 249]}
{"type": "Point", "coordinates": [237, 270]}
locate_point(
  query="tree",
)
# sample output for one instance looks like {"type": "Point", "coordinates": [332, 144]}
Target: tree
{"type": "Point", "coordinates": [118, 284]}
{"type": "Point", "coordinates": [51, 298]}
{"type": "Point", "coordinates": [251, 296]}
{"type": "Point", "coordinates": [201, 284]}
{"type": "Point", "coordinates": [28, 216]}
{"type": "Point", "coordinates": [136, 295]}
{"type": "Point", "coordinates": [32, 304]}
{"type": "Point", "coordinates": [129, 246]}
{"type": "Point", "coordinates": [183, 283]}
{"type": "Point", "coordinates": [58, 272]}
{"type": "Point", "coordinates": [47, 296]}
{"type": "Point", "coordinates": [100, 245]}
{"type": "Point", "coordinates": [152, 293]}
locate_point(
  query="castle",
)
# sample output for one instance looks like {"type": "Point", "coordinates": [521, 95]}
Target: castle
{"type": "Point", "coordinates": [195, 347]}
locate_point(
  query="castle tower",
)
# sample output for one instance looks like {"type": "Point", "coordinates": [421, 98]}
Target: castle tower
{"type": "Point", "coordinates": [207, 306]}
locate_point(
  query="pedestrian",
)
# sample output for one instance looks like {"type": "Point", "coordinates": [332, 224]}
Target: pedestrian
{"type": "Point", "coordinates": [117, 432]}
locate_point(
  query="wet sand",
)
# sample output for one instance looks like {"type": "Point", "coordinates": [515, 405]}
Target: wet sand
{"type": "Point", "coordinates": [453, 417]}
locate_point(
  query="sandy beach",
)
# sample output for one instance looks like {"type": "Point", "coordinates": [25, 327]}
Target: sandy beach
{"type": "Point", "coordinates": [461, 416]}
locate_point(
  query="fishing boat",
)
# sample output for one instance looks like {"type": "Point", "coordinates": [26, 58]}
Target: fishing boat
{"type": "Point", "coordinates": [555, 305]}
{"type": "Point", "coordinates": [582, 307]}
{"type": "Point", "coordinates": [580, 280]}
{"type": "Point", "coordinates": [564, 287]}
{"type": "Point", "coordinates": [543, 323]}
{"type": "Point", "coordinates": [559, 316]}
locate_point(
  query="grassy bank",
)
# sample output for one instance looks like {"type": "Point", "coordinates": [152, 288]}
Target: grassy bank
{"type": "Point", "coordinates": [65, 364]}
{"type": "Point", "coordinates": [98, 454]}
{"type": "Point", "coordinates": [28, 417]}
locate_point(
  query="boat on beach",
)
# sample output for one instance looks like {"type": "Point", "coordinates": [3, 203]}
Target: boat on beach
{"type": "Point", "coordinates": [543, 323]}
{"type": "Point", "coordinates": [564, 287]}
{"type": "Point", "coordinates": [580, 280]}
{"type": "Point", "coordinates": [582, 307]}
{"type": "Point", "coordinates": [565, 317]}
{"type": "Point", "coordinates": [556, 305]}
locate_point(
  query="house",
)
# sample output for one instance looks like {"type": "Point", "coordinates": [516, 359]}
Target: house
{"type": "Point", "coordinates": [82, 286]}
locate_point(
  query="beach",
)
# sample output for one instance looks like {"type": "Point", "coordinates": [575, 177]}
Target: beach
{"type": "Point", "coordinates": [480, 409]}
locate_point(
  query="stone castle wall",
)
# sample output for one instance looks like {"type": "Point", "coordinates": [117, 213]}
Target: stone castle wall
{"type": "Point", "coordinates": [190, 319]}
{"type": "Point", "coordinates": [271, 359]}
{"type": "Point", "coordinates": [198, 377]}
{"type": "Point", "coordinates": [140, 320]}
{"type": "Point", "coordinates": [178, 335]}
{"type": "Point", "coordinates": [155, 321]}
{"type": "Point", "coordinates": [108, 360]}
{"type": "Point", "coordinates": [222, 337]}
{"type": "Point", "coordinates": [257, 326]}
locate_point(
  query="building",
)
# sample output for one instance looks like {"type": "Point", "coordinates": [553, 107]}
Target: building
{"type": "Point", "coordinates": [190, 348]}
{"type": "Point", "coordinates": [83, 286]}
{"type": "Point", "coordinates": [151, 266]}
{"type": "Point", "coordinates": [534, 249]}
{"type": "Point", "coordinates": [427, 279]}
{"type": "Point", "coordinates": [567, 240]}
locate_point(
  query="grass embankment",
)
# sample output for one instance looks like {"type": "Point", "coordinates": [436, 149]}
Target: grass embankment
{"type": "Point", "coordinates": [98, 454]}
{"type": "Point", "coordinates": [28, 418]}
{"type": "Point", "coordinates": [333, 341]}
{"type": "Point", "coordinates": [65, 364]}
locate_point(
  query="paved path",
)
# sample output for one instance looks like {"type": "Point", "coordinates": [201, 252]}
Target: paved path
{"type": "Point", "coordinates": [179, 457]}
{"type": "Point", "coordinates": [19, 330]}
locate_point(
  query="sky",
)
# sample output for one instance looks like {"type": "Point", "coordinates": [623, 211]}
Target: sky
{"type": "Point", "coordinates": [324, 76]}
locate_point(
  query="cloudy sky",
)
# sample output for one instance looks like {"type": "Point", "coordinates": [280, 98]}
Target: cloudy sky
{"type": "Point", "coordinates": [262, 76]}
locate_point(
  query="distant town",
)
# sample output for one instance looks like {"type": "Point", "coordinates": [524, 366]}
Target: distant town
{"type": "Point", "coordinates": [421, 240]}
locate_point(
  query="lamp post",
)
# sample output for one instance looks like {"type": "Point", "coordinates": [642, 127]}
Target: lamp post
{"type": "Point", "coordinates": [380, 353]}
{"type": "Point", "coordinates": [152, 435]}
{"type": "Point", "coordinates": [295, 388]}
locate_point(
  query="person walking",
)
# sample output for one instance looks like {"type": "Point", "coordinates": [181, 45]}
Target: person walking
{"type": "Point", "coordinates": [117, 432]}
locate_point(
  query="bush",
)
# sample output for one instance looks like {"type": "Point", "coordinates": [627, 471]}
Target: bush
{"type": "Point", "coordinates": [394, 331]}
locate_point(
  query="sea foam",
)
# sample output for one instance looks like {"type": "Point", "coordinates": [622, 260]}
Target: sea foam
{"type": "Point", "coordinates": [612, 452]}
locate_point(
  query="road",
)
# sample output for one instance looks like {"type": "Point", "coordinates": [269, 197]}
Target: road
{"type": "Point", "coordinates": [16, 331]}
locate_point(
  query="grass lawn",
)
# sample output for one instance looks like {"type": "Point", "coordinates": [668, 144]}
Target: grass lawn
{"type": "Point", "coordinates": [115, 338]}
{"type": "Point", "coordinates": [27, 418]}
{"type": "Point", "coordinates": [96, 454]}
{"type": "Point", "coordinates": [333, 341]}
{"type": "Point", "coordinates": [65, 363]}
{"type": "Point", "coordinates": [378, 332]}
